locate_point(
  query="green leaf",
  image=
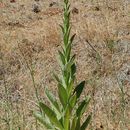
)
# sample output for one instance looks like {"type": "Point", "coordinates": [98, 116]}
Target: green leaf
{"type": "Point", "coordinates": [67, 30]}
{"type": "Point", "coordinates": [68, 34]}
{"type": "Point", "coordinates": [72, 59]}
{"type": "Point", "coordinates": [73, 101]}
{"type": "Point", "coordinates": [62, 57]}
{"type": "Point", "coordinates": [74, 121]}
{"type": "Point", "coordinates": [51, 115]}
{"type": "Point", "coordinates": [67, 20]}
{"type": "Point", "coordinates": [77, 124]}
{"type": "Point", "coordinates": [63, 78]}
{"type": "Point", "coordinates": [62, 29]}
{"type": "Point", "coordinates": [67, 118]}
{"type": "Point", "coordinates": [66, 2]}
{"type": "Point", "coordinates": [43, 120]}
{"type": "Point", "coordinates": [79, 89]}
{"type": "Point", "coordinates": [72, 38]}
{"type": "Point", "coordinates": [67, 78]}
{"type": "Point", "coordinates": [68, 7]}
{"type": "Point", "coordinates": [73, 69]}
{"type": "Point", "coordinates": [56, 78]}
{"type": "Point", "coordinates": [66, 37]}
{"type": "Point", "coordinates": [63, 95]}
{"type": "Point", "coordinates": [68, 51]}
{"type": "Point", "coordinates": [70, 87]}
{"type": "Point", "coordinates": [86, 123]}
{"type": "Point", "coordinates": [70, 63]}
{"type": "Point", "coordinates": [53, 101]}
{"type": "Point", "coordinates": [82, 107]}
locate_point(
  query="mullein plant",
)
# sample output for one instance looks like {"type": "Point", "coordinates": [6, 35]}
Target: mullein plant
{"type": "Point", "coordinates": [66, 112]}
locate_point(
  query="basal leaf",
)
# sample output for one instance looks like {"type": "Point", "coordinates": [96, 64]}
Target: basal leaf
{"type": "Point", "coordinates": [51, 115]}
{"type": "Point", "coordinates": [43, 120]}
{"type": "Point", "coordinates": [53, 101]}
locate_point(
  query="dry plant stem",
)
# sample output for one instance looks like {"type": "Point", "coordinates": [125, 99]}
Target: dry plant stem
{"type": "Point", "coordinates": [31, 73]}
{"type": "Point", "coordinates": [122, 100]}
{"type": "Point", "coordinates": [8, 110]}
{"type": "Point", "coordinates": [30, 67]}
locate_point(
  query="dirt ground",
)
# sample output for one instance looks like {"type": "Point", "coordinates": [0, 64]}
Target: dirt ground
{"type": "Point", "coordinates": [30, 38]}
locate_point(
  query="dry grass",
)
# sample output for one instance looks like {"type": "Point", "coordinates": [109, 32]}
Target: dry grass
{"type": "Point", "coordinates": [104, 61]}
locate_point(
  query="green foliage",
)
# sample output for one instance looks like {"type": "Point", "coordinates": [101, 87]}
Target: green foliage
{"type": "Point", "coordinates": [110, 44]}
{"type": "Point", "coordinates": [65, 113]}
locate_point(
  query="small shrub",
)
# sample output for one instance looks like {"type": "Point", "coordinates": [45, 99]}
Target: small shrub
{"type": "Point", "coordinates": [66, 112]}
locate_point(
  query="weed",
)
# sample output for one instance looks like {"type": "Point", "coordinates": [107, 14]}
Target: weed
{"type": "Point", "coordinates": [110, 45]}
{"type": "Point", "coordinates": [96, 55]}
{"type": "Point", "coordinates": [67, 112]}
{"type": "Point", "coordinates": [7, 105]}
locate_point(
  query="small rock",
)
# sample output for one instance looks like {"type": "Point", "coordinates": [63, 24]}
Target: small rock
{"type": "Point", "coordinates": [97, 8]}
{"type": "Point", "coordinates": [128, 72]}
{"type": "Point", "coordinates": [2, 72]}
{"type": "Point", "coordinates": [12, 1]}
{"type": "Point", "coordinates": [15, 24]}
{"type": "Point", "coordinates": [52, 4]}
{"type": "Point", "coordinates": [36, 8]}
{"type": "Point", "coordinates": [75, 11]}
{"type": "Point", "coordinates": [123, 32]}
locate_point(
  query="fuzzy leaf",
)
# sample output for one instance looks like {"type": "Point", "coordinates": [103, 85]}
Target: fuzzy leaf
{"type": "Point", "coordinates": [53, 101]}
{"type": "Point", "coordinates": [68, 33]}
{"type": "Point", "coordinates": [70, 87]}
{"type": "Point", "coordinates": [56, 78]}
{"type": "Point", "coordinates": [51, 115]}
{"type": "Point", "coordinates": [66, 37]}
{"type": "Point", "coordinates": [70, 63]}
{"type": "Point", "coordinates": [67, 118]}
{"type": "Point", "coordinates": [62, 95]}
{"type": "Point", "coordinates": [68, 51]}
{"type": "Point", "coordinates": [43, 120]}
{"type": "Point", "coordinates": [82, 107]}
{"type": "Point", "coordinates": [62, 57]}
{"type": "Point", "coordinates": [73, 100]}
